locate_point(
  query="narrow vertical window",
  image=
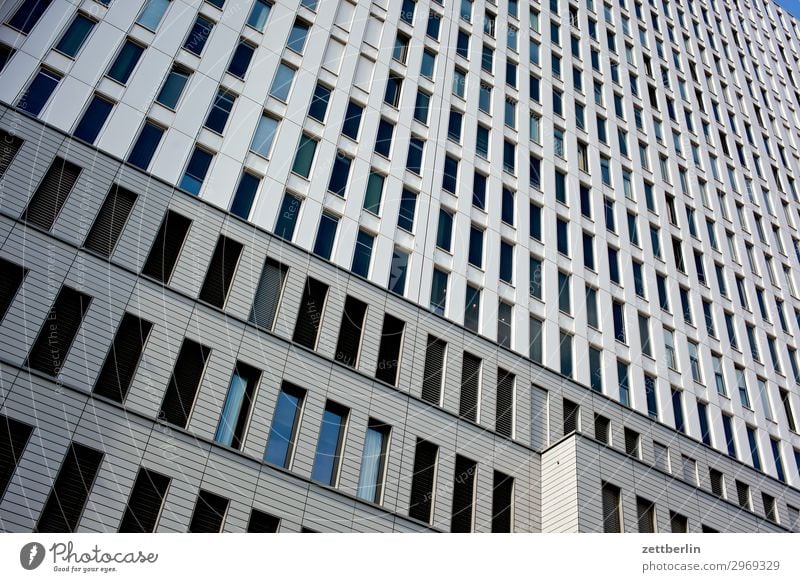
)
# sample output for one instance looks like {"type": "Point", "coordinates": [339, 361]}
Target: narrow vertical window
{"type": "Point", "coordinates": [646, 515]}
{"type": "Point", "coordinates": [93, 120]}
{"type": "Point", "coordinates": [240, 61]}
{"type": "Point", "coordinates": [244, 196]}
{"type": "Point", "coordinates": [145, 502]}
{"type": "Point", "coordinates": [398, 271]}
{"type": "Point", "coordinates": [173, 86]}
{"type": "Point", "coordinates": [612, 512]}
{"type": "Point", "coordinates": [472, 309]}
{"type": "Point", "coordinates": [326, 235]}
{"type": "Point", "coordinates": [423, 481]}
{"type": "Point", "coordinates": [196, 171]}
{"type": "Point", "coordinates": [152, 13]}
{"type": "Point", "coordinates": [238, 402]}
{"type": "Point", "coordinates": [362, 254]}
{"type": "Point", "coordinates": [46, 203]}
{"type": "Point", "coordinates": [166, 249]}
{"type": "Point", "coordinates": [110, 221]}
{"type": "Point", "coordinates": [504, 411]}
{"type": "Point", "coordinates": [14, 437]}
{"type": "Point", "coordinates": [330, 444]}
{"type": "Point", "coordinates": [126, 61]}
{"type": "Point", "coordinates": [351, 330]}
{"type": "Point", "coordinates": [221, 271]}
{"type": "Point", "coordinates": [285, 424]}
{"type": "Point", "coordinates": [309, 315]}
{"type": "Point", "coordinates": [209, 513]}
{"type": "Point", "coordinates": [373, 461]}
{"type": "Point", "coordinates": [463, 495]}
{"type": "Point", "coordinates": [122, 360]}
{"type": "Point", "coordinates": [11, 277]}
{"type": "Point", "coordinates": [28, 14]}
{"type": "Point", "coordinates": [390, 348]}
{"type": "Point", "coordinates": [39, 91]}
{"type": "Point", "coordinates": [470, 387]}
{"type": "Point", "coordinates": [259, 14]}
{"type": "Point", "coordinates": [502, 503]}
{"type": "Point", "coordinates": [287, 216]}
{"type": "Point", "coordinates": [184, 383]}
{"type": "Point", "coordinates": [433, 374]}
{"type": "Point", "coordinates": [145, 146]}
{"type": "Point", "coordinates": [198, 35]}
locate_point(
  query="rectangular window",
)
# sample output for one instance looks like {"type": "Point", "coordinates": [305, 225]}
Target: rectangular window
{"type": "Point", "coordinates": [261, 522]}
{"type": "Point", "coordinates": [644, 335]}
{"type": "Point", "coordinates": [241, 59]}
{"type": "Point", "coordinates": [374, 193]}
{"type": "Point", "coordinates": [209, 513]}
{"type": "Point", "coordinates": [46, 203]}
{"type": "Point", "coordinates": [472, 309]}
{"type": "Point", "coordinates": [373, 462]}
{"type": "Point", "coordinates": [297, 36]}
{"type": "Point", "coordinates": [264, 136]}
{"type": "Point", "coordinates": [752, 440]}
{"type": "Point", "coordinates": [238, 403]}
{"type": "Point", "coordinates": [122, 360]}
{"type": "Point", "coordinates": [470, 387]}
{"type": "Point", "coordinates": [618, 312]}
{"type": "Point", "coordinates": [287, 217]}
{"type": "Point", "coordinates": [439, 291]}
{"type": "Point", "coordinates": [602, 429]}
{"type": "Point", "coordinates": [564, 295]}
{"type": "Point", "coordinates": [463, 495]}
{"type": "Point", "coordinates": [416, 149]}
{"type": "Point", "coordinates": [221, 271]}
{"type": "Point", "coordinates": [304, 156]}
{"type": "Point", "coordinates": [433, 374]}
{"type": "Point", "coordinates": [196, 171]}
{"type": "Point", "coordinates": [282, 83]}
{"type": "Point", "coordinates": [110, 221]}
{"type": "Point", "coordinates": [362, 255]}
{"type": "Point", "coordinates": [646, 515]}
{"type": "Point", "coordinates": [592, 314]}
{"type": "Point", "coordinates": [285, 424]}
{"type": "Point", "coordinates": [504, 324]}
{"type": "Point", "coordinates": [397, 271]}
{"type": "Point", "coordinates": [408, 203]}
{"type": "Point", "coordinates": [504, 412]}
{"type": "Point", "coordinates": [677, 409]}
{"type": "Point", "coordinates": [502, 503]}
{"type": "Point", "coordinates": [14, 437]}
{"type": "Point", "coordinates": [536, 340]}
{"type": "Point", "coordinates": [651, 395]}
{"type": "Point", "coordinates": [146, 144]}
{"type": "Point", "coordinates": [259, 14]}
{"type": "Point", "coordinates": [352, 120]}
{"type": "Point", "coordinates": [198, 35]}
{"type": "Point", "coordinates": [624, 386]}
{"type": "Point", "coordinates": [145, 502]}
{"type": "Point", "coordinates": [562, 236]}
{"type": "Point", "coordinates": [326, 235]}
{"type": "Point", "coordinates": [173, 87]}
{"type": "Point", "coordinates": [164, 253]}
{"type": "Point", "coordinates": [93, 120]}
{"type": "Point", "coordinates": [727, 426]}
{"type": "Point", "coordinates": [10, 283]}
{"type": "Point", "coordinates": [770, 507]}
{"type": "Point", "coordinates": [717, 482]}
{"type": "Point", "coordinates": [55, 338]}
{"type": "Point", "coordinates": [39, 91]}
{"type": "Point", "coordinates": [184, 383]}
{"type": "Point", "coordinates": [612, 512]}
{"type": "Point", "coordinates": [309, 315]}
{"type": "Point", "coordinates": [350, 332]}
{"type": "Point", "coordinates": [70, 491]}
{"type": "Point", "coordinates": [330, 444]}
{"type": "Point", "coordinates": [475, 255]}
{"type": "Point", "coordinates": [268, 294]}
{"type": "Point", "coordinates": [423, 481]}
{"type": "Point", "coordinates": [340, 174]}
{"type": "Point", "coordinates": [632, 443]}
{"type": "Point", "coordinates": [126, 61]}
{"type": "Point", "coordinates": [787, 409]}
{"type": "Point", "coordinates": [244, 196]}
{"type": "Point", "coordinates": [389, 352]}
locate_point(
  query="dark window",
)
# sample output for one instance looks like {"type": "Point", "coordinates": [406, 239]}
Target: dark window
{"type": "Point", "coordinates": [463, 495]}
{"type": "Point", "coordinates": [268, 294]}
{"type": "Point", "coordinates": [340, 174]}
{"type": "Point", "coordinates": [241, 59]}
{"type": "Point", "coordinates": [602, 428]}
{"type": "Point", "coordinates": [326, 235]}
{"type": "Point", "coordinates": [414, 160]}
{"type": "Point", "coordinates": [261, 522]}
{"type": "Point", "coordinates": [58, 332]}
{"type": "Point", "coordinates": [110, 221]}
{"type": "Point", "coordinates": [184, 383]}
{"type": "Point", "coordinates": [93, 119]}
{"type": "Point", "coordinates": [433, 373]}
{"type": "Point", "coordinates": [450, 174]}
{"type": "Point", "coordinates": [444, 233]}
{"type": "Point", "coordinates": [470, 387]}
{"type": "Point", "coordinates": [145, 502]}
{"type": "Point", "coordinates": [423, 481]}
{"type": "Point", "coordinates": [297, 36]}
{"type": "Point", "coordinates": [612, 518]}
{"type": "Point", "coordinates": [173, 87]}
{"type": "Point", "coordinates": [198, 36]}
{"type": "Point", "coordinates": [167, 246]}
{"type": "Point", "coordinates": [309, 316]}
{"type": "Point", "coordinates": [120, 366]}
{"type": "Point", "coordinates": [196, 170]}
{"type": "Point", "coordinates": [330, 444]}
{"type": "Point", "coordinates": [221, 271]}
{"type": "Point", "coordinates": [11, 276]}
{"type": "Point", "coordinates": [49, 198]}
{"type": "Point", "coordinates": [352, 120]}
{"type": "Point", "coordinates": [408, 202]}
{"type": "Point", "coordinates": [146, 144]}
{"type": "Point", "coordinates": [535, 221]}
{"type": "Point", "coordinates": [126, 60]}
{"type": "Point", "coordinates": [421, 106]}
{"type": "Point", "coordinates": [209, 513]}
{"type": "Point", "coordinates": [787, 408]}
{"type": "Point", "coordinates": [287, 219]}
{"type": "Point", "coordinates": [6, 52]}
{"type": "Point", "coordinates": [475, 247]}
{"type": "Point", "coordinates": [743, 494]}
{"type": "Point", "coordinates": [717, 482]}
{"type": "Point", "coordinates": [67, 498]}
{"type": "Point", "coordinates": [319, 103]}
{"type": "Point", "coordinates": [28, 14]}
{"type": "Point", "coordinates": [349, 342]}
{"type": "Point", "coordinates": [479, 190]}
{"type": "Point", "coordinates": [770, 509]}
{"type": "Point", "coordinates": [39, 91]}
{"type": "Point", "coordinates": [504, 419]}
{"type": "Point", "coordinates": [238, 402]}
{"type": "Point", "coordinates": [383, 141]}
{"type": "Point", "coordinates": [502, 503]}
{"type": "Point", "coordinates": [245, 195]}
{"type": "Point", "coordinates": [472, 308]}
{"type": "Point", "coordinates": [678, 523]}
{"type": "Point", "coordinates": [9, 146]}
{"type": "Point", "coordinates": [285, 423]}
{"type": "Point", "coordinates": [14, 436]}
{"type": "Point", "coordinates": [571, 416]}
{"type": "Point", "coordinates": [646, 515]}
{"type": "Point", "coordinates": [220, 111]}
{"type": "Point", "coordinates": [632, 442]}
{"type": "Point", "coordinates": [389, 350]}
{"type": "Point", "coordinates": [362, 253]}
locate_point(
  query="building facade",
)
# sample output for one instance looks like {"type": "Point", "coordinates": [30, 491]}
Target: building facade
{"type": "Point", "coordinates": [334, 265]}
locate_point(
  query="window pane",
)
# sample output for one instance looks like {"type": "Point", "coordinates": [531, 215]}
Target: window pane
{"type": "Point", "coordinates": [245, 194]}
{"type": "Point", "coordinates": [125, 62]}
{"type": "Point", "coordinates": [264, 136]}
{"type": "Point", "coordinates": [362, 254]}
{"type": "Point", "coordinates": [284, 426]}
{"type": "Point", "coordinates": [259, 14]}
{"type": "Point", "coordinates": [75, 35]}
{"type": "Point", "coordinates": [145, 146]}
{"type": "Point", "coordinates": [331, 438]}
{"type": "Point", "coordinates": [241, 59]}
{"type": "Point", "coordinates": [287, 218]}
{"type": "Point", "coordinates": [39, 91]}
{"type": "Point", "coordinates": [304, 157]}
{"type": "Point", "coordinates": [326, 234]}
{"type": "Point", "coordinates": [198, 36]}
{"type": "Point", "coordinates": [196, 171]}
{"type": "Point", "coordinates": [153, 13]}
{"type": "Point", "coordinates": [173, 87]}
{"type": "Point", "coordinates": [282, 83]}
{"type": "Point", "coordinates": [93, 120]}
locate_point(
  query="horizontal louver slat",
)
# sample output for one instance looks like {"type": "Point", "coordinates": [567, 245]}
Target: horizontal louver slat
{"type": "Point", "coordinates": [268, 294]}
{"type": "Point", "coordinates": [505, 403]}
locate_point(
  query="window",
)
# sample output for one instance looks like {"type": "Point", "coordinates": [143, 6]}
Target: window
{"type": "Point", "coordinates": [397, 271]}
{"type": "Point", "coordinates": [362, 254]}
{"type": "Point", "coordinates": [13, 276]}
{"type": "Point", "coordinates": [717, 482]}
{"type": "Point", "coordinates": [787, 409]}
{"type": "Point", "coordinates": [415, 153]}
{"type": "Point", "coordinates": [506, 262]}
{"type": "Point", "coordinates": [326, 235]}
{"type": "Point", "coordinates": [509, 157]}
{"type": "Point", "coordinates": [476, 247]}
{"type": "Point", "coordinates": [241, 59]}
{"type": "Point", "coordinates": [352, 120]}
{"type": "Point", "coordinates": [209, 513]}
{"type": "Point", "coordinates": [646, 515]}
{"type": "Point", "coordinates": [571, 416]}
{"type": "Point", "coordinates": [220, 110]}
{"type": "Point", "coordinates": [244, 196]}
{"type": "Point", "coordinates": [770, 507]}
{"type": "Point", "coordinates": [285, 425]}
{"type": "Point", "coordinates": [439, 292]}
{"type": "Point", "coordinates": [268, 294]}
{"type": "Point", "coordinates": [632, 443]}
{"type": "Point", "coordinates": [753, 442]}
{"type": "Point", "coordinates": [238, 403]}
{"type": "Point", "coordinates": [502, 503]}
{"type": "Point", "coordinates": [55, 338]}
{"type": "Point", "coordinates": [727, 426]}
{"type": "Point", "coordinates": [564, 295]}
{"type": "Point", "coordinates": [472, 309]}
{"type": "Point", "coordinates": [504, 324]}
{"type": "Point", "coordinates": [612, 512]}
{"type": "Point", "coordinates": [408, 203]}
{"type": "Point", "coordinates": [282, 83]}
{"type": "Point", "coordinates": [677, 409]}
{"type": "Point", "coordinates": [259, 14]}
{"type": "Point", "coordinates": [444, 233]}
{"type": "Point", "coordinates": [470, 387]}
{"type": "Point", "coordinates": [389, 350]}
{"type": "Point", "coordinates": [588, 251]}
{"type": "Point", "coordinates": [624, 387]}
{"type": "Point", "coordinates": [373, 462]}
{"type": "Point", "coordinates": [287, 217]}
{"type": "Point", "coordinates": [613, 266]}
{"type": "Point", "coordinates": [463, 495]}
{"type": "Point", "coordinates": [422, 106]}
{"type": "Point", "coordinates": [562, 236]}
{"type": "Point", "coordinates": [297, 36]}
{"type": "Point", "coordinates": [126, 61]}
{"type": "Point", "coordinates": [184, 383]}
{"type": "Point", "coordinates": [145, 146]}
{"type": "Point", "coordinates": [14, 436]}
{"type": "Point", "coordinates": [592, 316]}
{"type": "Point", "coordinates": [644, 335]}
{"type": "Point", "coordinates": [507, 207]}
{"type": "Point", "coordinates": [423, 482]}
{"type": "Point", "coordinates": [535, 222]}
{"type": "Point", "coordinates": [304, 156]}
{"type": "Point", "coordinates": [198, 35]}
{"type": "Point", "coordinates": [319, 103]}
{"type": "Point", "coordinates": [609, 214]}
{"type": "Point", "coordinates": [694, 362]}
{"type": "Point", "coordinates": [79, 29]}
{"type": "Point", "coordinates": [145, 502]}
{"type": "Point", "coordinates": [221, 271]}
{"type": "Point", "coordinates": [166, 249]}
{"type": "Point", "coordinates": [340, 174]}
{"type": "Point", "coordinates": [536, 339]}
{"type": "Point", "coordinates": [261, 522]}
{"type": "Point", "coordinates": [173, 87]}
{"type": "Point", "coordinates": [374, 193]}
{"type": "Point", "coordinates": [39, 91]}
{"type": "Point", "coordinates": [330, 444]}
{"type": "Point", "coordinates": [652, 397]}
{"type": "Point", "coordinates": [349, 342]}
{"type": "Point", "coordinates": [536, 275]}
{"type": "Point", "coordinates": [123, 358]}
{"type": "Point", "coordinates": [618, 312]}
{"type": "Point", "coordinates": [110, 221]}
{"type": "Point", "coordinates": [67, 499]}
{"type": "Point", "coordinates": [741, 382]}
{"type": "Point", "coordinates": [309, 315]}
{"type": "Point", "coordinates": [394, 85]}
{"type": "Point", "coordinates": [504, 411]}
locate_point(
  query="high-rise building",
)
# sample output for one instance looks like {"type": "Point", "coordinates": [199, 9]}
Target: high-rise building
{"type": "Point", "coordinates": [398, 265]}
